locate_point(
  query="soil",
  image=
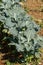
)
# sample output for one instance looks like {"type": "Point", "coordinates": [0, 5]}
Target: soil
{"type": "Point", "coordinates": [2, 62]}
{"type": "Point", "coordinates": [35, 8]}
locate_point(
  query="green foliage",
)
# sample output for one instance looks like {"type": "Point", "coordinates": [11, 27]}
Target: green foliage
{"type": "Point", "coordinates": [22, 29]}
{"type": "Point", "coordinates": [8, 63]}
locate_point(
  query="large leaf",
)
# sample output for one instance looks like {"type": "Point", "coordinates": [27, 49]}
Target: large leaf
{"type": "Point", "coordinates": [22, 28]}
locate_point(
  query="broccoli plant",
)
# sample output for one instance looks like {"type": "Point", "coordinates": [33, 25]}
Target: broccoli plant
{"type": "Point", "coordinates": [21, 30]}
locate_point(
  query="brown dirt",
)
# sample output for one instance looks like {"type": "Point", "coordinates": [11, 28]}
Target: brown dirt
{"type": "Point", "coordinates": [2, 62]}
{"type": "Point", "coordinates": [40, 32]}
{"type": "Point", "coordinates": [35, 8]}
